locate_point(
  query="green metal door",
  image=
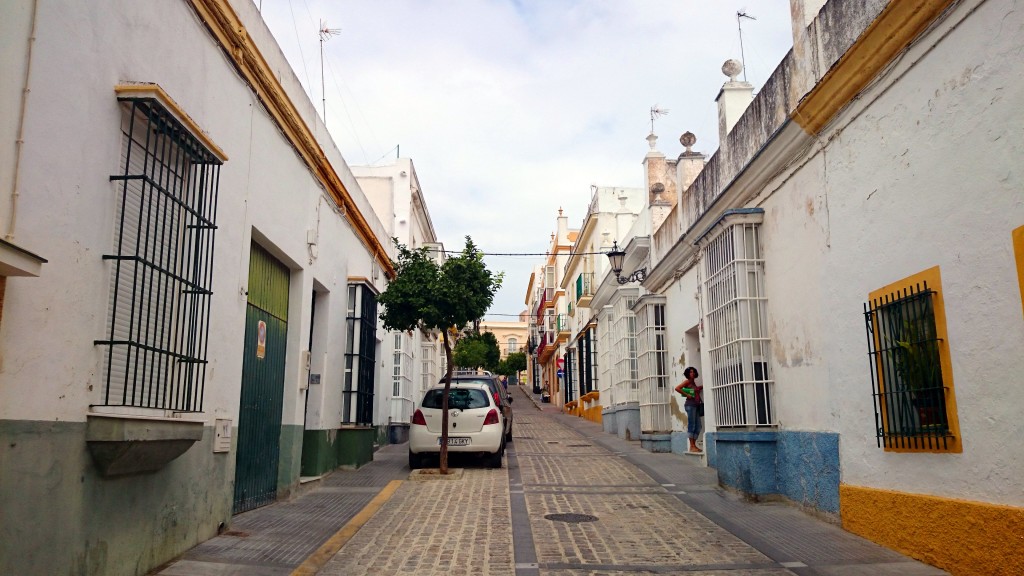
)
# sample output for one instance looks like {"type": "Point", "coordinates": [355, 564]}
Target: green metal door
{"type": "Point", "coordinates": [259, 417]}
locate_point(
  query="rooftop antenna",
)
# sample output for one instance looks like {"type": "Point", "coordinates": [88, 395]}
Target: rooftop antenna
{"type": "Point", "coordinates": [740, 15]}
{"type": "Point", "coordinates": [657, 112]}
{"type": "Point", "coordinates": [325, 34]}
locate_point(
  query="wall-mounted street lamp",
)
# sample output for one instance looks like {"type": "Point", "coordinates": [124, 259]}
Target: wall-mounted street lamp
{"type": "Point", "coordinates": [616, 256]}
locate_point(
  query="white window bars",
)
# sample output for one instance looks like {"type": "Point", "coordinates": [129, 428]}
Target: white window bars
{"type": "Point", "coordinates": [654, 389]}
{"type": "Point", "coordinates": [401, 379]}
{"type": "Point", "coordinates": [624, 348]}
{"type": "Point", "coordinates": [736, 315]}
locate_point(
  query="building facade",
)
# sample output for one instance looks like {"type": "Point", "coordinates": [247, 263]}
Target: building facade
{"type": "Point", "coordinates": [412, 360]}
{"type": "Point", "coordinates": [189, 319]}
{"type": "Point", "coordinates": [819, 266]}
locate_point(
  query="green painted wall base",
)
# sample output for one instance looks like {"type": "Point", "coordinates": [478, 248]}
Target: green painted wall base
{"type": "Point", "coordinates": [325, 450]}
{"type": "Point", "coordinates": [290, 458]}
{"type": "Point", "coordinates": [355, 446]}
{"type": "Point", "coordinates": [60, 516]}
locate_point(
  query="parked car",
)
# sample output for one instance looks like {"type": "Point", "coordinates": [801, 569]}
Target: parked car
{"type": "Point", "coordinates": [475, 424]}
{"type": "Point", "coordinates": [502, 397]}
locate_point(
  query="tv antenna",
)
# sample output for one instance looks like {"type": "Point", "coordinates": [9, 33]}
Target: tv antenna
{"type": "Point", "coordinates": [740, 15]}
{"type": "Point", "coordinates": [657, 112]}
{"type": "Point", "coordinates": [325, 34]}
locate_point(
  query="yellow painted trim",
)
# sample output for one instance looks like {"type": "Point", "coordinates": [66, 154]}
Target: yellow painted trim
{"type": "Point", "coordinates": [965, 537]}
{"type": "Point", "coordinates": [153, 90]}
{"type": "Point", "coordinates": [225, 25]}
{"type": "Point", "coordinates": [1018, 252]}
{"type": "Point", "coordinates": [934, 280]}
{"type": "Point", "coordinates": [899, 23]}
{"type": "Point", "coordinates": [324, 553]}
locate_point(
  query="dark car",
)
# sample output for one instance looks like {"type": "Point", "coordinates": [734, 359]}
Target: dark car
{"type": "Point", "coordinates": [501, 396]}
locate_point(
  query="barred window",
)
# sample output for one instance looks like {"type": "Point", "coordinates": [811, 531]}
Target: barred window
{"type": "Point", "coordinates": [653, 388]}
{"type": "Point", "coordinates": [360, 356]}
{"type": "Point", "coordinates": [735, 307]}
{"type": "Point", "coordinates": [906, 343]}
{"type": "Point", "coordinates": [401, 379]}
{"type": "Point", "coordinates": [625, 349]}
{"type": "Point", "coordinates": [162, 262]}
{"type": "Point", "coordinates": [587, 358]}
{"type": "Point", "coordinates": [428, 368]}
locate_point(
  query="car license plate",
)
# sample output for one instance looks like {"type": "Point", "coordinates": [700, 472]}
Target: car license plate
{"type": "Point", "coordinates": [455, 441]}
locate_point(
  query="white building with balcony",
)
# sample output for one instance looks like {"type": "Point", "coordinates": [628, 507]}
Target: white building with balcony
{"type": "Point", "coordinates": [412, 360]}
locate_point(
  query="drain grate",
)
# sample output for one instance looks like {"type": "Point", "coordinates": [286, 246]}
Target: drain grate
{"type": "Point", "coordinates": [553, 442]}
{"type": "Point", "coordinates": [580, 445]}
{"type": "Point", "coordinates": [571, 518]}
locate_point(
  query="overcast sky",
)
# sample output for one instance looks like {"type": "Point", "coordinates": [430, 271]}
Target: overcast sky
{"type": "Point", "coordinates": [511, 109]}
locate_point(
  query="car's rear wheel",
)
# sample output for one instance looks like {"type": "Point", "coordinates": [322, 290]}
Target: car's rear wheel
{"type": "Point", "coordinates": [415, 460]}
{"type": "Point", "coordinates": [494, 460]}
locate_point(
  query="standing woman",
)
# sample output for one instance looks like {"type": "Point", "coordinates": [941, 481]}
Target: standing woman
{"type": "Point", "coordinates": [694, 405]}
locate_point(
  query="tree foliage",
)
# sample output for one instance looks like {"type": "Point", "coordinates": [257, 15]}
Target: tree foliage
{"type": "Point", "coordinates": [478, 351]}
{"type": "Point", "coordinates": [512, 364]}
{"type": "Point", "coordinates": [431, 296]}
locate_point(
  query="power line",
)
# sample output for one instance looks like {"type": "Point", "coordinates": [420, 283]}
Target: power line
{"type": "Point", "coordinates": [529, 253]}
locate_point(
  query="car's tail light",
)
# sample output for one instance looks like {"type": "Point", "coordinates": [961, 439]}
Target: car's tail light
{"type": "Point", "coordinates": [417, 418]}
{"type": "Point", "coordinates": [492, 417]}
{"type": "Point", "coordinates": [497, 399]}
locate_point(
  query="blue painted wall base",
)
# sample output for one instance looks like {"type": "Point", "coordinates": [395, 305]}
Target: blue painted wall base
{"type": "Point", "coordinates": [628, 419]}
{"type": "Point", "coordinates": [801, 466]}
{"type": "Point", "coordinates": [608, 422]}
{"type": "Point", "coordinates": [656, 442]}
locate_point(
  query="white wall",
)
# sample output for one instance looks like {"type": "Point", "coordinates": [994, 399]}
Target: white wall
{"type": "Point", "coordinates": [919, 173]}
{"type": "Point", "coordinates": [51, 369]}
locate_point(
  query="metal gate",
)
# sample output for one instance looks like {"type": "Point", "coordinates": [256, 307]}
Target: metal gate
{"type": "Point", "coordinates": [259, 417]}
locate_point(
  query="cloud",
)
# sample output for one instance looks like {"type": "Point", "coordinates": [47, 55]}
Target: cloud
{"type": "Point", "coordinates": [511, 109]}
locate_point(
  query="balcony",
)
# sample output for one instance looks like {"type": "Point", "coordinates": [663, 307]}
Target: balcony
{"type": "Point", "coordinates": [584, 289]}
{"type": "Point", "coordinates": [548, 300]}
{"type": "Point", "coordinates": [562, 323]}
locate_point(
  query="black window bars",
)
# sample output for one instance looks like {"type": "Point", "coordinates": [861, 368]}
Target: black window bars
{"type": "Point", "coordinates": [906, 373]}
{"type": "Point", "coordinates": [162, 274]}
{"type": "Point", "coordinates": [360, 356]}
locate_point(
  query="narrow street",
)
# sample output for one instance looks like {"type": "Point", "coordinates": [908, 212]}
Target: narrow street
{"type": "Point", "coordinates": [571, 501]}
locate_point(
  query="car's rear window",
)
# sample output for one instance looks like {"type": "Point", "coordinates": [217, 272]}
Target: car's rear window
{"type": "Point", "coordinates": [458, 398]}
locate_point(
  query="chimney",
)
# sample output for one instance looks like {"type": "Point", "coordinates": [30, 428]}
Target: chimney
{"type": "Point", "coordinates": [732, 100]}
{"type": "Point", "coordinates": [563, 228]}
{"type": "Point", "coordinates": [690, 163]}
{"type": "Point", "coordinates": [688, 167]}
{"type": "Point", "coordinates": [809, 70]}
{"type": "Point", "coordinates": [803, 13]}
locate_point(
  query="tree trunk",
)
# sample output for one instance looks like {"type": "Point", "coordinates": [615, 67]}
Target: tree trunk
{"type": "Point", "coordinates": [443, 456]}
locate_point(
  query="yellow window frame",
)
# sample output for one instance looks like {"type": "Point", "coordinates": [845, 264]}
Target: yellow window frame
{"type": "Point", "coordinates": [933, 279]}
{"type": "Point", "coordinates": [1018, 252]}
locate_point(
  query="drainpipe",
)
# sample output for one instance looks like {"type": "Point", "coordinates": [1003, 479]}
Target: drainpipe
{"type": "Point", "coordinates": [12, 221]}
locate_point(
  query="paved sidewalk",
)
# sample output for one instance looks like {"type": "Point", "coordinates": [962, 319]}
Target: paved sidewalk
{"type": "Point", "coordinates": [274, 540]}
{"type": "Point", "coordinates": [571, 501]}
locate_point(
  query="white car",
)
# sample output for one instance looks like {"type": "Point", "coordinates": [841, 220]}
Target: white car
{"type": "Point", "coordinates": [475, 424]}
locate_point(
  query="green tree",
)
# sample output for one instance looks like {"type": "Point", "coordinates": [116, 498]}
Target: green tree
{"type": "Point", "coordinates": [470, 352]}
{"type": "Point", "coordinates": [478, 351]}
{"type": "Point", "coordinates": [514, 363]}
{"type": "Point", "coordinates": [426, 295]}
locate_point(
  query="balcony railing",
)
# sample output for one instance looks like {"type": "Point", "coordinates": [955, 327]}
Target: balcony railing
{"type": "Point", "coordinates": [584, 288]}
{"type": "Point", "coordinates": [561, 323]}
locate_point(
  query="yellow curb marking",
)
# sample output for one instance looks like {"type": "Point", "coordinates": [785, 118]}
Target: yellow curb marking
{"type": "Point", "coordinates": [327, 551]}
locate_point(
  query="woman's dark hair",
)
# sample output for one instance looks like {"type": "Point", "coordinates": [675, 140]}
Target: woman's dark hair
{"type": "Point", "coordinates": [689, 369]}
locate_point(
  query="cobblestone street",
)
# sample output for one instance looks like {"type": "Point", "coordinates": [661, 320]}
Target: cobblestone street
{"type": "Point", "coordinates": [574, 501]}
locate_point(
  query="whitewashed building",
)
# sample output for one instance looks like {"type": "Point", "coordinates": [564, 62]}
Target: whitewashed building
{"type": "Point", "coordinates": [847, 273]}
{"type": "Point", "coordinates": [190, 273]}
{"type": "Point", "coordinates": [413, 360]}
